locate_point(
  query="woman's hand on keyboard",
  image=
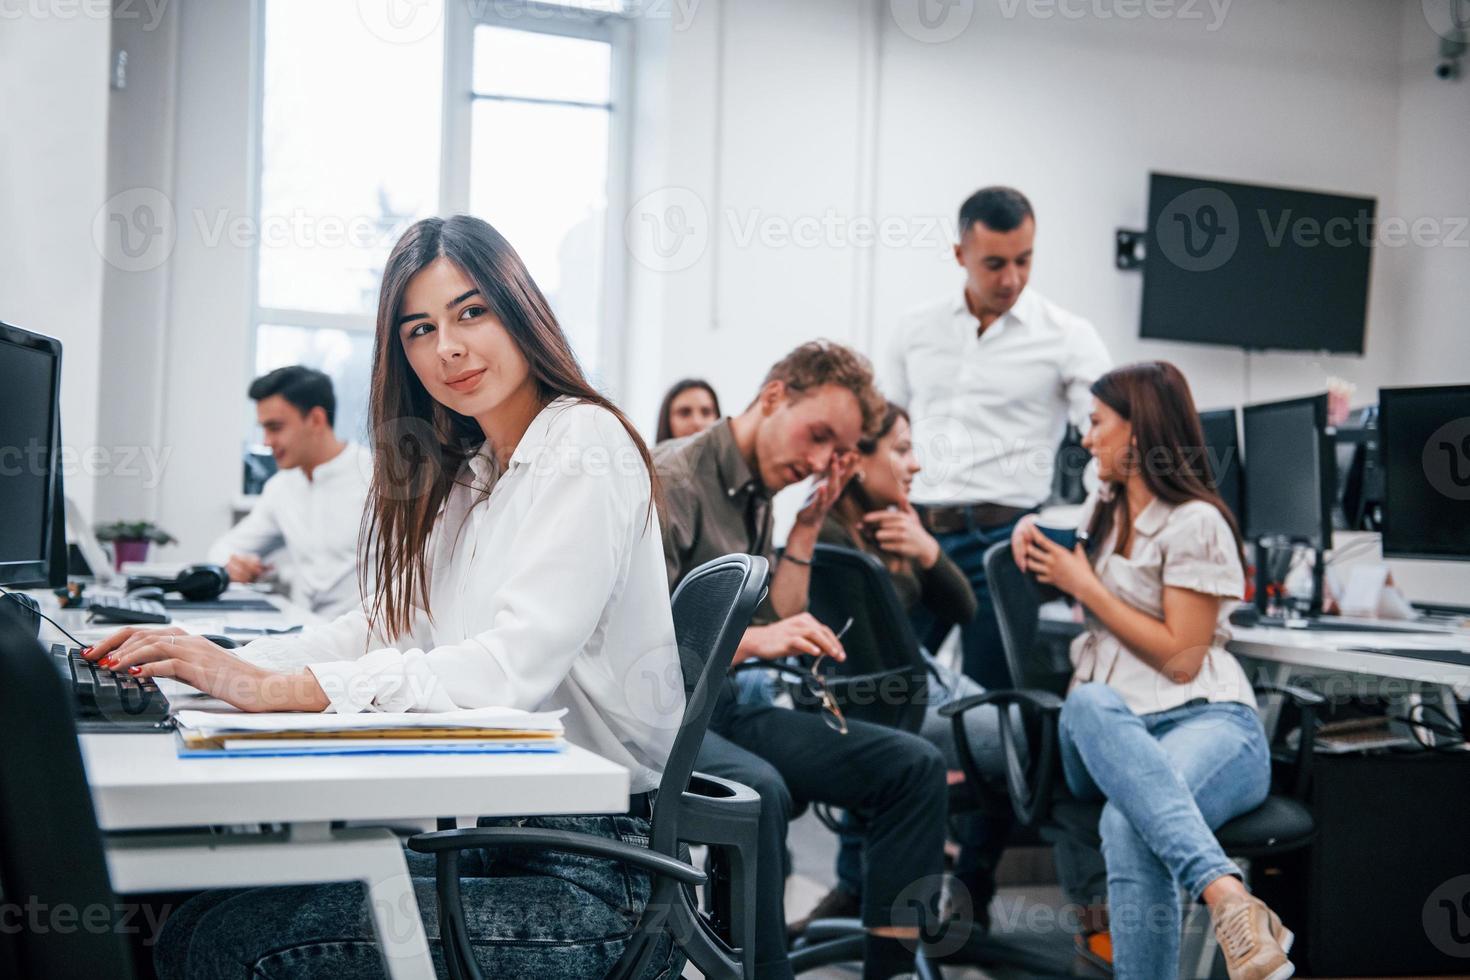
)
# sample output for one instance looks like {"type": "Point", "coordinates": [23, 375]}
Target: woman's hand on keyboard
{"type": "Point", "coordinates": [198, 662]}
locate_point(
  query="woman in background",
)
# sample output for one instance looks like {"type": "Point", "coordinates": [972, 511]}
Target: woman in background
{"type": "Point", "coordinates": [690, 406]}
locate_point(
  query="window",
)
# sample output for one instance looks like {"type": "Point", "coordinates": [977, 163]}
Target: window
{"type": "Point", "coordinates": [355, 145]}
{"type": "Point", "coordinates": [538, 164]}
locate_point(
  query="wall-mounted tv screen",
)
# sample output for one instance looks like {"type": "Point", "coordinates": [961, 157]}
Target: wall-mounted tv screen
{"type": "Point", "coordinates": [1263, 268]}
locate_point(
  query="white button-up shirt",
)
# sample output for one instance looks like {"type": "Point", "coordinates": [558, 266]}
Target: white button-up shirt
{"type": "Point", "coordinates": [989, 411]}
{"type": "Point", "coordinates": [317, 521]}
{"type": "Point", "coordinates": [1186, 546]}
{"type": "Point", "coordinates": [547, 590]}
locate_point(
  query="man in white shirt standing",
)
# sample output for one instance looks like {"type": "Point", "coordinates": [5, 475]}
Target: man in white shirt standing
{"type": "Point", "coordinates": [990, 377]}
{"type": "Point", "coordinates": [313, 506]}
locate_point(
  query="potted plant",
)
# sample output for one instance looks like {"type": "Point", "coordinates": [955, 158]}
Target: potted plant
{"type": "Point", "coordinates": [130, 540]}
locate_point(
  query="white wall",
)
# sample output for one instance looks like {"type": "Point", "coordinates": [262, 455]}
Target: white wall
{"type": "Point", "coordinates": [135, 288]}
{"type": "Point", "coordinates": [53, 160]}
{"type": "Point", "coordinates": [207, 338]}
{"type": "Point", "coordinates": [1074, 111]}
{"type": "Point", "coordinates": [1433, 162]}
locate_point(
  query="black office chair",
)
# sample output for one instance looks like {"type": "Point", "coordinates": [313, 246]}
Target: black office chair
{"type": "Point", "coordinates": [50, 849]}
{"type": "Point", "coordinates": [885, 681]}
{"type": "Point", "coordinates": [1042, 672]}
{"type": "Point", "coordinates": [712, 608]}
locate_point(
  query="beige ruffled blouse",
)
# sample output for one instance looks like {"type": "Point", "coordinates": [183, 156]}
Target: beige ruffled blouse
{"type": "Point", "coordinates": [1188, 546]}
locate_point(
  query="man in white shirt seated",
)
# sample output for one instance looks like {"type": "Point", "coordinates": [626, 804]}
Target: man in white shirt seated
{"type": "Point", "coordinates": [313, 506]}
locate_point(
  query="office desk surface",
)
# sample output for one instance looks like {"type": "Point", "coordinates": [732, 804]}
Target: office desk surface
{"type": "Point", "coordinates": [138, 782]}
{"type": "Point", "coordinates": [1324, 651]}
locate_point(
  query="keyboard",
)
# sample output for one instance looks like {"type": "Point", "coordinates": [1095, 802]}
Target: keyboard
{"type": "Point", "coordinates": [107, 701]}
{"type": "Point", "coordinates": [123, 609]}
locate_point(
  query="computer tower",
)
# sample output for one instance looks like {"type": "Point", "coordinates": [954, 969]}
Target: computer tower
{"type": "Point", "coordinates": [1384, 889]}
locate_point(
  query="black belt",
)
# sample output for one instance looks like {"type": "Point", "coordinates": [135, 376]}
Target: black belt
{"type": "Point", "coordinates": [967, 517]}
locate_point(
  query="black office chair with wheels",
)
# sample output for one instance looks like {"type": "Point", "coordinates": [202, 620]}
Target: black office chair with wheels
{"type": "Point", "coordinates": [885, 681]}
{"type": "Point", "coordinates": [712, 608]}
{"type": "Point", "coordinates": [1042, 672]}
{"type": "Point", "coordinates": [50, 850]}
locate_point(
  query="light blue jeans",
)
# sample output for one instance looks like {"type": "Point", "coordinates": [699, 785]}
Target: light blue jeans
{"type": "Point", "coordinates": [1169, 779]}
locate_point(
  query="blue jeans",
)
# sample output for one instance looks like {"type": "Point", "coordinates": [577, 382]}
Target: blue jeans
{"type": "Point", "coordinates": [983, 658]}
{"type": "Point", "coordinates": [1169, 779]}
{"type": "Point", "coordinates": [530, 913]}
{"type": "Point", "coordinates": [981, 837]}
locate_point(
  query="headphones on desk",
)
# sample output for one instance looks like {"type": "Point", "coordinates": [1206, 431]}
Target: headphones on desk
{"type": "Point", "coordinates": [197, 583]}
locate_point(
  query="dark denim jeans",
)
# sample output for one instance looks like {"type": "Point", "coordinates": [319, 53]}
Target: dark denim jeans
{"type": "Point", "coordinates": [982, 838]}
{"type": "Point", "coordinates": [1170, 778]}
{"type": "Point", "coordinates": [530, 913]}
{"type": "Point", "coordinates": [791, 758]}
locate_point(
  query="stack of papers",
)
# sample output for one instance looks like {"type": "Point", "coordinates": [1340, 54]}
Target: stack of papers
{"type": "Point", "coordinates": [474, 731]}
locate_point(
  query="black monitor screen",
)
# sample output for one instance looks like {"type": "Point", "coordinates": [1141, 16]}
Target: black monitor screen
{"type": "Point", "coordinates": [1222, 455]}
{"type": "Point", "coordinates": [1256, 267]}
{"type": "Point", "coordinates": [1424, 445]}
{"type": "Point", "coordinates": [28, 378]}
{"type": "Point", "coordinates": [1289, 474]}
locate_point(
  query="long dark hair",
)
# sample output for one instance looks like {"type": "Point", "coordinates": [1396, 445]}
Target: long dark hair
{"type": "Point", "coordinates": [854, 501]}
{"type": "Point", "coordinates": [420, 445]}
{"type": "Point", "coordinates": [665, 411]}
{"type": "Point", "coordinates": [1168, 446]}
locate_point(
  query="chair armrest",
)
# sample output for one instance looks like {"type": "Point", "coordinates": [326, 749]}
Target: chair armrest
{"type": "Point", "coordinates": [1030, 792]}
{"type": "Point", "coordinates": [557, 840]}
{"type": "Point", "coordinates": [1043, 701]}
{"type": "Point", "coordinates": [1300, 696]}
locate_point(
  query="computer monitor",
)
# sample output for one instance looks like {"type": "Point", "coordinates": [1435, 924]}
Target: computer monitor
{"type": "Point", "coordinates": [1222, 456]}
{"type": "Point", "coordinates": [31, 518]}
{"type": "Point", "coordinates": [1359, 472]}
{"type": "Point", "coordinates": [1290, 476]}
{"type": "Point", "coordinates": [1424, 445]}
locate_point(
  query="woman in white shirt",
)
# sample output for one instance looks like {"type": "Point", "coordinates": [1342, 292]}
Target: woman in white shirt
{"type": "Point", "coordinates": [1160, 719]}
{"type": "Point", "coordinates": [519, 564]}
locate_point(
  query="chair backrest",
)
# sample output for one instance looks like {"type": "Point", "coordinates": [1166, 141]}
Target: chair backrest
{"type": "Point", "coordinates": [712, 608]}
{"type": "Point", "coordinates": [50, 850]}
{"type": "Point", "coordinates": [884, 679]}
{"type": "Point", "coordinates": [1033, 664]}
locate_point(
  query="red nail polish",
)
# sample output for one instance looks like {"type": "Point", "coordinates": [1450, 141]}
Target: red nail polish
{"type": "Point", "coordinates": [135, 670]}
{"type": "Point", "coordinates": [107, 662]}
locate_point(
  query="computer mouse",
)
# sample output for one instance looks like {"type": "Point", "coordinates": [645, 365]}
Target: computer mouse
{"type": "Point", "coordinates": [221, 641]}
{"type": "Point", "coordinates": [147, 592]}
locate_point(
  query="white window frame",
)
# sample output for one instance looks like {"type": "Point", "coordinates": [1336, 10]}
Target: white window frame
{"type": "Point", "coordinates": [460, 20]}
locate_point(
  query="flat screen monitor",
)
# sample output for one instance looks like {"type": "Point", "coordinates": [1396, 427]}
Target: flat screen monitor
{"type": "Point", "coordinates": [1222, 456]}
{"type": "Point", "coordinates": [1291, 472]}
{"type": "Point", "coordinates": [30, 377]}
{"type": "Point", "coordinates": [1424, 447]}
{"type": "Point", "coordinates": [1257, 267]}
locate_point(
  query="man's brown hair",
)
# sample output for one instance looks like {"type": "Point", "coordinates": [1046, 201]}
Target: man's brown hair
{"type": "Point", "coordinates": [822, 362]}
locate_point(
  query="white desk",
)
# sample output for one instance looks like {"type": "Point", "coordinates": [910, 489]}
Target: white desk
{"type": "Point", "coordinates": [1278, 654]}
{"type": "Point", "coordinates": [185, 816]}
